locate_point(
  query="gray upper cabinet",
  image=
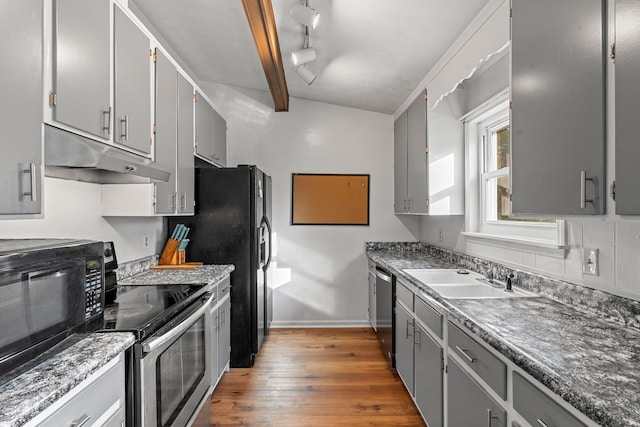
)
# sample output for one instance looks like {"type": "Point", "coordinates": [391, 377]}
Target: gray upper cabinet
{"type": "Point", "coordinates": [627, 105]}
{"type": "Point", "coordinates": [410, 159]}
{"type": "Point", "coordinates": [185, 169]}
{"type": "Point", "coordinates": [21, 113]}
{"type": "Point", "coordinates": [80, 96]}
{"type": "Point", "coordinates": [166, 132]}
{"type": "Point", "coordinates": [558, 107]}
{"type": "Point", "coordinates": [132, 114]}
{"type": "Point", "coordinates": [211, 133]}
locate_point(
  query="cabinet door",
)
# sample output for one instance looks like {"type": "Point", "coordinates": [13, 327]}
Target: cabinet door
{"type": "Point", "coordinates": [400, 164]}
{"type": "Point", "coordinates": [404, 346]}
{"type": "Point", "coordinates": [215, 336]}
{"type": "Point", "coordinates": [468, 404]}
{"type": "Point", "coordinates": [627, 107]}
{"type": "Point", "coordinates": [132, 115]}
{"type": "Point", "coordinates": [428, 377]}
{"type": "Point", "coordinates": [166, 132]}
{"type": "Point", "coordinates": [416, 156]}
{"type": "Point", "coordinates": [558, 107]}
{"type": "Point", "coordinates": [204, 128]}
{"type": "Point", "coordinates": [185, 147]}
{"type": "Point", "coordinates": [371, 275]}
{"type": "Point", "coordinates": [219, 140]}
{"type": "Point", "coordinates": [224, 339]}
{"type": "Point", "coordinates": [21, 113]}
{"type": "Point", "coordinates": [81, 65]}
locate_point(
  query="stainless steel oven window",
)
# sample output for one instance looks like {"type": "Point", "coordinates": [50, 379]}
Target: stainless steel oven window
{"type": "Point", "coordinates": [38, 302]}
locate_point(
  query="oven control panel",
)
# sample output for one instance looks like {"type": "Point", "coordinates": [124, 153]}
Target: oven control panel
{"type": "Point", "coordinates": [93, 288]}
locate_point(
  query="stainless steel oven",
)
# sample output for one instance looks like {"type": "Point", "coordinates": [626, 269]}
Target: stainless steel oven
{"type": "Point", "coordinates": [49, 289]}
{"type": "Point", "coordinates": [174, 366]}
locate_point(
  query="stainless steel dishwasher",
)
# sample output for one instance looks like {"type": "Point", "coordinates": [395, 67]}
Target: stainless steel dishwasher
{"type": "Point", "coordinates": [385, 289]}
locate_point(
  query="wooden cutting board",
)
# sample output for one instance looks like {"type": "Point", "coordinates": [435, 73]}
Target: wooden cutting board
{"type": "Point", "coordinates": [185, 266]}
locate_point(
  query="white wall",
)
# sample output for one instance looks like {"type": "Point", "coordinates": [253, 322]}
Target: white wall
{"type": "Point", "coordinates": [321, 272]}
{"type": "Point", "coordinates": [72, 210]}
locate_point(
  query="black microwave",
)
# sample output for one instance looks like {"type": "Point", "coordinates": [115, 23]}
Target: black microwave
{"type": "Point", "coordinates": [49, 290]}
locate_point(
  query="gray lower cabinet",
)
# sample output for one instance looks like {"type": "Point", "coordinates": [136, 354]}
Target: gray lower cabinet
{"type": "Point", "coordinates": [132, 113]}
{"type": "Point", "coordinates": [211, 133]}
{"type": "Point", "coordinates": [404, 330]}
{"type": "Point", "coordinates": [224, 332]}
{"type": "Point", "coordinates": [410, 159]}
{"type": "Point", "coordinates": [627, 105]}
{"type": "Point", "coordinates": [371, 278]}
{"type": "Point", "coordinates": [215, 334]}
{"type": "Point", "coordinates": [537, 408]}
{"type": "Point", "coordinates": [468, 404]}
{"type": "Point", "coordinates": [558, 138]}
{"type": "Point", "coordinates": [174, 139]}
{"type": "Point", "coordinates": [80, 95]}
{"type": "Point", "coordinates": [21, 114]}
{"type": "Point", "coordinates": [428, 377]}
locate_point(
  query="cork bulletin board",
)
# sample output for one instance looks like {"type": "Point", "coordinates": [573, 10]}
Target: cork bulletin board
{"type": "Point", "coordinates": [329, 199]}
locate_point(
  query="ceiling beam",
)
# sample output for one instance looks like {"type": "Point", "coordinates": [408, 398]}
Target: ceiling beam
{"type": "Point", "coordinates": [263, 26]}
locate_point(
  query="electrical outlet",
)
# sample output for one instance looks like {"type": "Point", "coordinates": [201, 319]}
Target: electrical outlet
{"type": "Point", "coordinates": [590, 261]}
{"type": "Point", "coordinates": [440, 235]}
{"type": "Point", "coordinates": [145, 241]}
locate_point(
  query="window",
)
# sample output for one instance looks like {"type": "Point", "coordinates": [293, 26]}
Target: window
{"type": "Point", "coordinates": [488, 140]}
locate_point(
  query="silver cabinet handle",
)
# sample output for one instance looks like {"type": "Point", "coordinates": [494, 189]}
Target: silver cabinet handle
{"type": "Point", "coordinates": [32, 172]}
{"type": "Point", "coordinates": [124, 128]}
{"type": "Point", "coordinates": [465, 354]}
{"type": "Point", "coordinates": [183, 202]}
{"type": "Point", "coordinates": [409, 321]}
{"type": "Point", "coordinates": [106, 124]}
{"type": "Point", "coordinates": [490, 417]}
{"type": "Point", "coordinates": [153, 344]}
{"type": "Point", "coordinates": [174, 196]}
{"type": "Point", "coordinates": [541, 423]}
{"type": "Point", "coordinates": [416, 337]}
{"type": "Point", "coordinates": [80, 421]}
{"type": "Point", "coordinates": [583, 189]}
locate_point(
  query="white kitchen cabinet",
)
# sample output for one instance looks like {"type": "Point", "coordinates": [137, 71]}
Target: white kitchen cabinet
{"type": "Point", "coordinates": [98, 401]}
{"type": "Point", "coordinates": [627, 105]}
{"type": "Point", "coordinates": [468, 404]}
{"type": "Point", "coordinates": [132, 85]}
{"type": "Point", "coordinates": [21, 166]}
{"type": "Point", "coordinates": [410, 159]}
{"type": "Point", "coordinates": [558, 135]}
{"type": "Point", "coordinates": [173, 139]}
{"type": "Point", "coordinates": [80, 92]}
{"type": "Point", "coordinates": [211, 133]}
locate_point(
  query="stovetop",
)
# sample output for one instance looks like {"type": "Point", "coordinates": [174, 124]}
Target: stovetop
{"type": "Point", "coordinates": [145, 309]}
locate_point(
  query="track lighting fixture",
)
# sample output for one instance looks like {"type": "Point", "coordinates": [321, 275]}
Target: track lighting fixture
{"type": "Point", "coordinates": [305, 74]}
{"type": "Point", "coordinates": [303, 56]}
{"type": "Point", "coordinates": [305, 15]}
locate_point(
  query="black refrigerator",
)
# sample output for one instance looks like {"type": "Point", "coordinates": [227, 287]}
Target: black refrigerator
{"type": "Point", "coordinates": [232, 225]}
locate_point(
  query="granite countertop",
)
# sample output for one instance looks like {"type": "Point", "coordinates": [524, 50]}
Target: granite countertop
{"type": "Point", "coordinates": [590, 362]}
{"type": "Point", "coordinates": [202, 274]}
{"type": "Point", "coordinates": [69, 363]}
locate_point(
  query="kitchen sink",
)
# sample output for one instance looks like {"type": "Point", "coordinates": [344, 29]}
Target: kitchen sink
{"type": "Point", "coordinates": [463, 284]}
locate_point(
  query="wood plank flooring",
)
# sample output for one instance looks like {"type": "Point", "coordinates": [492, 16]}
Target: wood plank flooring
{"type": "Point", "coordinates": [315, 377]}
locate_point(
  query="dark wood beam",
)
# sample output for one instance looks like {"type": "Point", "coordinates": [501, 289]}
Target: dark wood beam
{"type": "Point", "coordinates": [263, 27]}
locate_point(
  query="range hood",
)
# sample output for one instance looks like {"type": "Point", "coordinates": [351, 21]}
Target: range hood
{"type": "Point", "coordinates": [75, 157]}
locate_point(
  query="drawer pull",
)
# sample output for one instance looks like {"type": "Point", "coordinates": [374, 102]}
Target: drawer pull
{"type": "Point", "coordinates": [466, 355]}
{"type": "Point", "coordinates": [541, 423]}
{"type": "Point", "coordinates": [80, 421]}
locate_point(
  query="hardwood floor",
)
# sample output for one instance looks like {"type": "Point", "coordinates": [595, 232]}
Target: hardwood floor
{"type": "Point", "coordinates": [315, 377]}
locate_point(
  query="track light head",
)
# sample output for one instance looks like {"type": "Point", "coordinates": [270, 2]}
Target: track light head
{"type": "Point", "coordinates": [303, 56]}
{"type": "Point", "coordinates": [305, 15]}
{"type": "Point", "coordinates": [305, 74]}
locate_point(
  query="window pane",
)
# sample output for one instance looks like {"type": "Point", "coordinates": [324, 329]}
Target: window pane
{"type": "Point", "coordinates": [502, 147]}
{"type": "Point", "coordinates": [497, 201]}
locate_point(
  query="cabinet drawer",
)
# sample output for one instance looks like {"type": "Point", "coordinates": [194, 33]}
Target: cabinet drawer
{"type": "Point", "coordinates": [491, 369]}
{"type": "Point", "coordinates": [224, 286]}
{"type": "Point", "coordinates": [404, 295]}
{"type": "Point", "coordinates": [538, 408]}
{"type": "Point", "coordinates": [429, 315]}
{"type": "Point", "coordinates": [103, 395]}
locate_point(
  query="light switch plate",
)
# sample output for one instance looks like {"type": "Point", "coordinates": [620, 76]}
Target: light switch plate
{"type": "Point", "coordinates": [590, 261]}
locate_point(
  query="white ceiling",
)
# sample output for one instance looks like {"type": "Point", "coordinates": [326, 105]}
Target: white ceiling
{"type": "Point", "coordinates": [371, 54]}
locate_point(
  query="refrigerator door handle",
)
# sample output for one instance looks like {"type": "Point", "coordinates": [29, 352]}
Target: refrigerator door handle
{"type": "Point", "coordinates": [268, 224]}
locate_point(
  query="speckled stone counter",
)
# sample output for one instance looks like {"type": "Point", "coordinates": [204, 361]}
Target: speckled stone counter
{"type": "Point", "coordinates": [201, 274]}
{"type": "Point", "coordinates": [30, 393]}
{"type": "Point", "coordinates": [591, 360]}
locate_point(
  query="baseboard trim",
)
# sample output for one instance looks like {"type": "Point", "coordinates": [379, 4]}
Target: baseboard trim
{"type": "Point", "coordinates": [279, 324]}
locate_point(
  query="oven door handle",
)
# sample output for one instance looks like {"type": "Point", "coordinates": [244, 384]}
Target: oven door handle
{"type": "Point", "coordinates": [153, 344]}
